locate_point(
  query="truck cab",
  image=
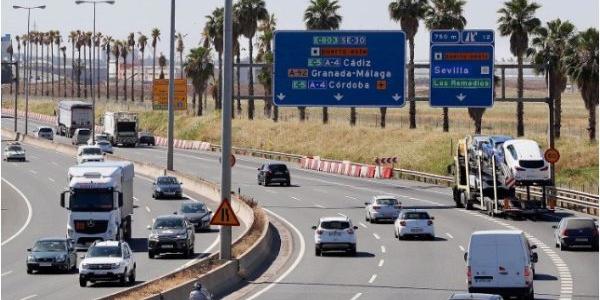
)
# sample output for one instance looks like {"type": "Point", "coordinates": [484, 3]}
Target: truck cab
{"type": "Point", "coordinates": [100, 202]}
{"type": "Point", "coordinates": [121, 128]}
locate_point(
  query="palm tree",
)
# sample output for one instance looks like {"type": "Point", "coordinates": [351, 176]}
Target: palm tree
{"type": "Point", "coordinates": [73, 38]}
{"type": "Point", "coordinates": [517, 20]}
{"type": "Point", "coordinates": [39, 38]}
{"type": "Point", "coordinates": [50, 47]}
{"type": "Point", "coordinates": [322, 15]}
{"type": "Point", "coordinates": [124, 51]}
{"type": "Point", "coordinates": [445, 14]}
{"type": "Point", "coordinates": [49, 42]}
{"type": "Point", "coordinates": [548, 47]}
{"type": "Point", "coordinates": [162, 63]}
{"type": "Point", "coordinates": [581, 63]}
{"type": "Point", "coordinates": [213, 31]}
{"type": "Point", "coordinates": [18, 39]}
{"type": "Point", "coordinates": [236, 50]}
{"type": "Point", "coordinates": [131, 44]}
{"type": "Point", "coordinates": [251, 12]}
{"type": "Point", "coordinates": [80, 42]}
{"type": "Point", "coordinates": [408, 13]}
{"type": "Point", "coordinates": [24, 42]}
{"type": "Point", "coordinates": [265, 54]}
{"type": "Point", "coordinates": [180, 47]}
{"type": "Point", "coordinates": [142, 42]}
{"type": "Point", "coordinates": [116, 52]}
{"type": "Point", "coordinates": [87, 64]}
{"type": "Point", "coordinates": [199, 67]}
{"type": "Point", "coordinates": [476, 113]}
{"type": "Point", "coordinates": [106, 46]}
{"type": "Point", "coordinates": [97, 41]}
{"type": "Point", "coordinates": [155, 38]}
{"type": "Point", "coordinates": [57, 41]}
{"type": "Point", "coordinates": [63, 49]}
{"type": "Point", "coordinates": [10, 52]}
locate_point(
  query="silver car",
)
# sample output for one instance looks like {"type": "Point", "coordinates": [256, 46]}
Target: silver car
{"type": "Point", "coordinates": [382, 208]}
{"type": "Point", "coordinates": [14, 151]}
{"type": "Point", "coordinates": [44, 132]}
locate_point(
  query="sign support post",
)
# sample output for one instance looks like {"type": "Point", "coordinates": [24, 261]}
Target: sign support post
{"type": "Point", "coordinates": [171, 89]}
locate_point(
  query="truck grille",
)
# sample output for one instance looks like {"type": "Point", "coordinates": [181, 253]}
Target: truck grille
{"type": "Point", "coordinates": [91, 226]}
{"type": "Point", "coordinates": [100, 267]}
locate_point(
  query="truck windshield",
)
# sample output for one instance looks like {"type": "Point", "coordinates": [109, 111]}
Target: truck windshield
{"type": "Point", "coordinates": [91, 200]}
{"type": "Point", "coordinates": [126, 126]}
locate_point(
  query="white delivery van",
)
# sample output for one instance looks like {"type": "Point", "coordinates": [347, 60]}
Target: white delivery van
{"type": "Point", "coordinates": [501, 262]}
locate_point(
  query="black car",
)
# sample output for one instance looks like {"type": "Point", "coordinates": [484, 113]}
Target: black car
{"type": "Point", "coordinates": [146, 138]}
{"type": "Point", "coordinates": [573, 231]}
{"type": "Point", "coordinates": [52, 253]}
{"type": "Point", "coordinates": [166, 186]}
{"type": "Point", "coordinates": [171, 234]}
{"type": "Point", "coordinates": [197, 213]}
{"type": "Point", "coordinates": [273, 173]}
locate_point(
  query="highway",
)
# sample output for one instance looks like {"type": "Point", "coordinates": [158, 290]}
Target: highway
{"type": "Point", "coordinates": [384, 268]}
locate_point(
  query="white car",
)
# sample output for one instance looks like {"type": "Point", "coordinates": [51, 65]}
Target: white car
{"type": "Point", "coordinates": [105, 146]}
{"type": "Point", "coordinates": [335, 234]}
{"type": "Point", "coordinates": [14, 151]}
{"type": "Point", "coordinates": [44, 132]}
{"type": "Point", "coordinates": [501, 262]}
{"type": "Point", "coordinates": [107, 261]}
{"type": "Point", "coordinates": [414, 223]}
{"type": "Point", "coordinates": [525, 160]}
{"type": "Point", "coordinates": [382, 208]}
{"type": "Point", "coordinates": [99, 137]}
{"type": "Point", "coordinates": [89, 154]}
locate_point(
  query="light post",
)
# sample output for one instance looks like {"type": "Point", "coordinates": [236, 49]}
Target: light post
{"type": "Point", "coordinates": [94, 2]}
{"type": "Point", "coordinates": [27, 56]}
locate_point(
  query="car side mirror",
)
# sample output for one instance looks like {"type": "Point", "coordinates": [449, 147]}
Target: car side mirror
{"type": "Point", "coordinates": [355, 227]}
{"type": "Point", "coordinates": [314, 227]}
{"type": "Point", "coordinates": [533, 247]}
{"type": "Point", "coordinates": [466, 255]}
{"type": "Point", "coordinates": [28, 249]}
{"type": "Point", "coordinates": [258, 169]}
{"type": "Point", "coordinates": [366, 203]}
{"type": "Point", "coordinates": [62, 199]}
{"type": "Point", "coordinates": [149, 227]}
{"type": "Point", "coordinates": [82, 256]}
{"type": "Point", "coordinates": [534, 257]}
{"type": "Point", "coordinates": [554, 226]}
{"type": "Point", "coordinates": [432, 218]}
{"type": "Point", "coordinates": [181, 183]}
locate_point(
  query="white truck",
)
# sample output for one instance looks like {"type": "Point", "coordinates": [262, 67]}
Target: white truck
{"type": "Point", "coordinates": [100, 202]}
{"type": "Point", "coordinates": [71, 115]}
{"type": "Point", "coordinates": [121, 128]}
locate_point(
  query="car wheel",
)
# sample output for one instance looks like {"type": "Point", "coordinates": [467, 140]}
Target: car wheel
{"type": "Point", "coordinates": [563, 247]}
{"type": "Point", "coordinates": [352, 251]}
{"type": "Point", "coordinates": [431, 237]}
{"type": "Point", "coordinates": [366, 217]}
{"type": "Point", "coordinates": [29, 270]}
{"type": "Point", "coordinates": [132, 277]}
{"type": "Point", "coordinates": [123, 278]}
{"type": "Point", "coordinates": [151, 254]}
{"type": "Point", "coordinates": [191, 252]}
{"type": "Point", "coordinates": [395, 233]}
{"type": "Point", "coordinates": [259, 183]}
{"type": "Point", "coordinates": [82, 282]}
{"type": "Point", "coordinates": [288, 183]}
{"type": "Point", "coordinates": [317, 252]}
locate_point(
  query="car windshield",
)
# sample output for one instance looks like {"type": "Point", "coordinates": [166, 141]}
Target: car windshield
{"type": "Point", "coordinates": [14, 148]}
{"type": "Point", "coordinates": [168, 223]}
{"type": "Point", "coordinates": [102, 143]}
{"type": "Point", "coordinates": [91, 151]}
{"type": "Point", "coordinates": [278, 168]}
{"type": "Point", "coordinates": [49, 246]}
{"type": "Point", "coordinates": [190, 208]}
{"type": "Point", "coordinates": [580, 224]}
{"type": "Point", "coordinates": [45, 129]}
{"type": "Point", "coordinates": [104, 251]}
{"type": "Point", "coordinates": [415, 216]}
{"type": "Point", "coordinates": [388, 202]}
{"type": "Point", "coordinates": [335, 225]}
{"type": "Point", "coordinates": [167, 180]}
{"type": "Point", "coordinates": [84, 132]}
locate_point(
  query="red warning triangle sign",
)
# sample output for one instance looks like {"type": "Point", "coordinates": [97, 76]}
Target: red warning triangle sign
{"type": "Point", "coordinates": [224, 215]}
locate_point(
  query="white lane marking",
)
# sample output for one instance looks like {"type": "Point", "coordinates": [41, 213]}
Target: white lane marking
{"type": "Point", "coordinates": [362, 224]}
{"type": "Point", "coordinates": [29, 297]}
{"type": "Point", "coordinates": [449, 235]}
{"type": "Point", "coordinates": [321, 190]}
{"type": "Point", "coordinates": [51, 179]}
{"type": "Point", "coordinates": [147, 209]}
{"type": "Point", "coordinates": [55, 163]}
{"type": "Point", "coordinates": [294, 264]}
{"type": "Point", "coordinates": [136, 199]}
{"type": "Point", "coordinates": [373, 277]}
{"type": "Point", "coordinates": [382, 249]}
{"type": "Point", "coordinates": [380, 263]}
{"type": "Point", "coordinates": [461, 248]}
{"type": "Point", "coordinates": [33, 172]}
{"type": "Point", "coordinates": [356, 296]}
{"type": "Point", "coordinates": [5, 273]}
{"type": "Point", "coordinates": [33, 156]}
{"type": "Point", "coordinates": [29, 212]}
{"type": "Point", "coordinates": [350, 197]}
{"type": "Point", "coordinates": [319, 205]}
{"type": "Point", "coordinates": [343, 215]}
{"type": "Point", "coordinates": [189, 197]}
{"type": "Point", "coordinates": [376, 236]}
{"type": "Point", "coordinates": [272, 192]}
{"type": "Point", "coordinates": [295, 198]}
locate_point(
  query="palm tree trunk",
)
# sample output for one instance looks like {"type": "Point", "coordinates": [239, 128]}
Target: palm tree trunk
{"type": "Point", "coordinates": [220, 87]}
{"type": "Point", "coordinates": [65, 74]}
{"type": "Point", "coordinates": [36, 68]}
{"type": "Point", "coordinates": [199, 102]}
{"type": "Point", "coordinates": [302, 110]}
{"type": "Point", "coordinates": [79, 73]}
{"type": "Point", "coordinates": [52, 66]}
{"type": "Point", "coordinates": [58, 75]}
{"type": "Point", "coordinates": [194, 101]}
{"type": "Point", "coordinates": [520, 125]}
{"type": "Point", "coordinates": [42, 72]}
{"type": "Point", "coordinates": [592, 123]}
{"type": "Point", "coordinates": [107, 72]}
{"type": "Point", "coordinates": [85, 74]}
{"type": "Point", "coordinates": [125, 78]}
{"type": "Point", "coordinates": [72, 68]}
{"type": "Point", "coordinates": [153, 64]}
{"type": "Point", "coordinates": [181, 64]}
{"type": "Point", "coordinates": [132, 71]}
{"type": "Point", "coordinates": [275, 113]}
{"type": "Point", "coordinates": [352, 116]}
{"type": "Point", "coordinates": [383, 112]}
{"type": "Point", "coordinates": [237, 77]}
{"type": "Point", "coordinates": [142, 81]}
{"type": "Point", "coordinates": [325, 115]}
{"type": "Point", "coordinates": [11, 85]}
{"type": "Point", "coordinates": [250, 82]}
{"type": "Point", "coordinates": [48, 65]}
{"type": "Point", "coordinates": [411, 85]}
{"type": "Point", "coordinates": [98, 72]}
{"type": "Point", "coordinates": [446, 121]}
{"type": "Point", "coordinates": [116, 78]}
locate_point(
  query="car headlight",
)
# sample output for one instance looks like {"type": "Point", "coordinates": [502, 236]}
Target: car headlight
{"type": "Point", "coordinates": [181, 236]}
{"type": "Point", "coordinates": [30, 258]}
{"type": "Point", "coordinates": [115, 265]}
{"type": "Point", "coordinates": [153, 236]}
{"type": "Point", "coordinates": [70, 232]}
{"type": "Point", "coordinates": [85, 266]}
{"type": "Point", "coordinates": [158, 189]}
{"type": "Point", "coordinates": [61, 258]}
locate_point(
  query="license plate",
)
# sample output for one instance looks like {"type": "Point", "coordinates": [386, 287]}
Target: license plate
{"type": "Point", "coordinates": [581, 239]}
{"type": "Point", "coordinates": [169, 193]}
{"type": "Point", "coordinates": [335, 233]}
{"type": "Point", "coordinates": [278, 173]}
{"type": "Point", "coordinates": [416, 230]}
{"type": "Point", "coordinates": [166, 246]}
{"type": "Point", "coordinates": [45, 264]}
{"type": "Point", "coordinates": [483, 280]}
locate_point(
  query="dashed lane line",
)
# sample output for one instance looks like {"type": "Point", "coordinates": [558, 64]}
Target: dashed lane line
{"type": "Point", "coordinates": [5, 273]}
{"type": "Point", "coordinates": [295, 198]}
{"type": "Point", "coordinates": [373, 277]}
{"type": "Point", "coordinates": [461, 248]}
{"type": "Point", "coordinates": [376, 236]}
{"type": "Point", "coordinates": [49, 178]}
{"type": "Point", "coordinates": [381, 261]}
{"type": "Point", "coordinates": [356, 296]}
{"type": "Point", "coordinates": [33, 172]}
{"type": "Point", "coordinates": [319, 205]}
{"type": "Point", "coordinates": [147, 209]}
{"type": "Point", "coordinates": [362, 224]}
{"type": "Point", "coordinates": [449, 235]}
{"type": "Point", "coordinates": [29, 297]}
{"type": "Point", "coordinates": [382, 249]}
{"type": "Point", "coordinates": [350, 197]}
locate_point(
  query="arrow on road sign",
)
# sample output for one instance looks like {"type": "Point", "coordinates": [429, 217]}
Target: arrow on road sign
{"type": "Point", "coordinates": [281, 96]}
{"type": "Point", "coordinates": [338, 96]}
{"type": "Point", "coordinates": [224, 215]}
{"type": "Point", "coordinates": [396, 97]}
{"type": "Point", "coordinates": [461, 97]}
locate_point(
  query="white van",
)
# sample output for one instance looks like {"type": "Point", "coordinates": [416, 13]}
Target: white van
{"type": "Point", "coordinates": [526, 162]}
{"type": "Point", "coordinates": [501, 262]}
{"type": "Point", "coordinates": [80, 136]}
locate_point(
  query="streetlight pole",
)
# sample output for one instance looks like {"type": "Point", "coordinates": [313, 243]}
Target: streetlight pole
{"type": "Point", "coordinates": [94, 2]}
{"type": "Point", "coordinates": [171, 89]}
{"type": "Point", "coordinates": [27, 57]}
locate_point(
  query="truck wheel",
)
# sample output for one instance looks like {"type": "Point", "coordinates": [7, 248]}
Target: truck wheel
{"type": "Point", "coordinates": [151, 254]}
{"type": "Point", "coordinates": [456, 195]}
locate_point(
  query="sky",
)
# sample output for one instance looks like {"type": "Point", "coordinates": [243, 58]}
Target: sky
{"type": "Point", "coordinates": [142, 15]}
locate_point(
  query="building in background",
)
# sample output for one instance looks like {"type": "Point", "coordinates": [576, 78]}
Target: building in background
{"type": "Point", "coordinates": [5, 44]}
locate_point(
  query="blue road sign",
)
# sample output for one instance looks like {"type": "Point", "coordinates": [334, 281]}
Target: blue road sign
{"type": "Point", "coordinates": [339, 68]}
{"type": "Point", "coordinates": [462, 68]}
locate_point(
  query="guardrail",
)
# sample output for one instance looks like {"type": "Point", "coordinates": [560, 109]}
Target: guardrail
{"type": "Point", "coordinates": [569, 199]}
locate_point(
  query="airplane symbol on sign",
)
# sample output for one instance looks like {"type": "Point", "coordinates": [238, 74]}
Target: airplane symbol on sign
{"type": "Point", "coordinates": [470, 38]}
